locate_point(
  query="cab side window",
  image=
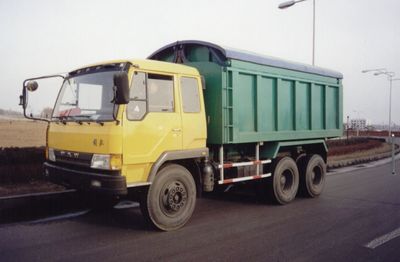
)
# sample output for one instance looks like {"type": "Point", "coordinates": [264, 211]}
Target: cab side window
{"type": "Point", "coordinates": [150, 93]}
{"type": "Point", "coordinates": [190, 95]}
{"type": "Point", "coordinates": [160, 90]}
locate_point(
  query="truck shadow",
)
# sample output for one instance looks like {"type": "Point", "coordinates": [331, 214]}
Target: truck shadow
{"type": "Point", "coordinates": [126, 218]}
{"type": "Point", "coordinates": [246, 193]}
{"type": "Point", "coordinates": [131, 217]}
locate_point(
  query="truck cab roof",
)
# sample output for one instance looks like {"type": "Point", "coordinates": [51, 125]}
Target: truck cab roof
{"type": "Point", "coordinates": [152, 65]}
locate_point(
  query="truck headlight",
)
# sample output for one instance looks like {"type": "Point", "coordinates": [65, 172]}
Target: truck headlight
{"type": "Point", "coordinates": [107, 162]}
{"type": "Point", "coordinates": [50, 154]}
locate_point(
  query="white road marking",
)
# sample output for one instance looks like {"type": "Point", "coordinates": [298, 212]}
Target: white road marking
{"type": "Point", "coordinates": [383, 239]}
{"type": "Point", "coordinates": [60, 217]}
{"type": "Point", "coordinates": [126, 204]}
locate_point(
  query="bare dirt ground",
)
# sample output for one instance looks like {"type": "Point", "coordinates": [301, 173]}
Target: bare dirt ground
{"type": "Point", "coordinates": [35, 186]}
{"type": "Point", "coordinates": [22, 133]}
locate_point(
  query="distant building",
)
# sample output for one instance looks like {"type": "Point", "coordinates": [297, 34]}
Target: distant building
{"type": "Point", "coordinates": [358, 124]}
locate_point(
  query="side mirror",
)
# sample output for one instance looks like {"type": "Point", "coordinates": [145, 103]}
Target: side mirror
{"type": "Point", "coordinates": [121, 83]}
{"type": "Point", "coordinates": [32, 86]}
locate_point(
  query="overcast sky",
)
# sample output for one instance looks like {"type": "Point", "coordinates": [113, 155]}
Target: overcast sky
{"type": "Point", "coordinates": [45, 36]}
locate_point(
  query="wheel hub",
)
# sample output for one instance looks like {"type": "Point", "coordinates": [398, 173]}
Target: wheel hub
{"type": "Point", "coordinates": [175, 197]}
{"type": "Point", "coordinates": [287, 181]}
{"type": "Point", "coordinates": [313, 176]}
{"type": "Point", "coordinates": [283, 180]}
{"type": "Point", "coordinates": [316, 176]}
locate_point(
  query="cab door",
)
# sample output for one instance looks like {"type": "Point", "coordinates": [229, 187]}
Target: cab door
{"type": "Point", "coordinates": [152, 123]}
{"type": "Point", "coordinates": [193, 113]}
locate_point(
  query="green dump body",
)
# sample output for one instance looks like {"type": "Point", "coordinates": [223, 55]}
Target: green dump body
{"type": "Point", "coordinates": [251, 98]}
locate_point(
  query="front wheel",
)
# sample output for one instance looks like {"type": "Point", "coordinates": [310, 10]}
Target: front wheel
{"type": "Point", "coordinates": [171, 198]}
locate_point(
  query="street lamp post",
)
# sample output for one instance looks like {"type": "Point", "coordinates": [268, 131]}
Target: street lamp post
{"type": "Point", "coordinates": [393, 163]}
{"type": "Point", "coordinates": [390, 75]}
{"type": "Point", "coordinates": [347, 131]}
{"type": "Point", "coordinates": [289, 4]}
{"type": "Point", "coordinates": [392, 135]}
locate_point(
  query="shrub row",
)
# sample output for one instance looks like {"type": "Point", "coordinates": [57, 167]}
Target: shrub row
{"type": "Point", "coordinates": [356, 144]}
{"type": "Point", "coordinates": [20, 165]}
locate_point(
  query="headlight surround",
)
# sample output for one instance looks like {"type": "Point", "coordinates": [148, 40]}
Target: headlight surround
{"type": "Point", "coordinates": [106, 162]}
{"type": "Point", "coordinates": [50, 155]}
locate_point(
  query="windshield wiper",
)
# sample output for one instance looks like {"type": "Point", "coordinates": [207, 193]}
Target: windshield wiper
{"type": "Point", "coordinates": [99, 122]}
{"type": "Point", "coordinates": [79, 119]}
{"type": "Point", "coordinates": [83, 117]}
{"type": "Point", "coordinates": [86, 116]}
{"type": "Point", "coordinates": [62, 119]}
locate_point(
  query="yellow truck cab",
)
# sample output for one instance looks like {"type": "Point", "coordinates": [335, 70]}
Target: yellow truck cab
{"type": "Point", "coordinates": [99, 144]}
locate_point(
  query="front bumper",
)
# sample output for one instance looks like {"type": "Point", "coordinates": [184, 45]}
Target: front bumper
{"type": "Point", "coordinates": [86, 181]}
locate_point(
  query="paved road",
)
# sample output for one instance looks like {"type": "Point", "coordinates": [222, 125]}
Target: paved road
{"type": "Point", "coordinates": [357, 208]}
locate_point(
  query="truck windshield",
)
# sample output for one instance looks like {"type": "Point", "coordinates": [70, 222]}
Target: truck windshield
{"type": "Point", "coordinates": [86, 97]}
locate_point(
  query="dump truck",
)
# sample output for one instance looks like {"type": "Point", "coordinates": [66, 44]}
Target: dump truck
{"type": "Point", "coordinates": [193, 117]}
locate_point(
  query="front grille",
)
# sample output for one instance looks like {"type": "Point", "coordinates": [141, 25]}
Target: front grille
{"type": "Point", "coordinates": [84, 168]}
{"type": "Point", "coordinates": [76, 158]}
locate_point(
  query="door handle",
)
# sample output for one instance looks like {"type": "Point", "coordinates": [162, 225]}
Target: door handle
{"type": "Point", "coordinates": [176, 130]}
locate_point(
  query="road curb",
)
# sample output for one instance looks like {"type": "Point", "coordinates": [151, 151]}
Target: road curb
{"type": "Point", "coordinates": [356, 167]}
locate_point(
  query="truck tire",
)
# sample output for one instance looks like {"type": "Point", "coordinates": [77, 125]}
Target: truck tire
{"type": "Point", "coordinates": [171, 198]}
{"type": "Point", "coordinates": [285, 181]}
{"type": "Point", "coordinates": [312, 179]}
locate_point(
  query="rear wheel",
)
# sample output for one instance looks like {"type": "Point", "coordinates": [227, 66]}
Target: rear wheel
{"type": "Point", "coordinates": [285, 181]}
{"type": "Point", "coordinates": [312, 180]}
{"type": "Point", "coordinates": [171, 198]}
